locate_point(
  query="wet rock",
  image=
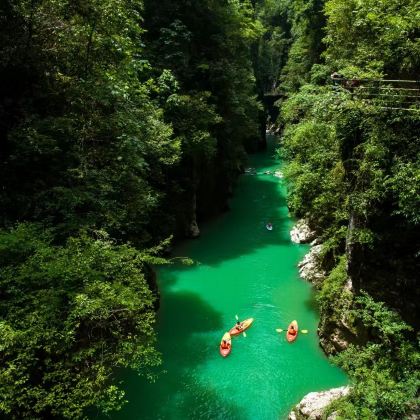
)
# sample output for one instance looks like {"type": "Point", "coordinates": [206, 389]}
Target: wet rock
{"type": "Point", "coordinates": [316, 241]}
{"type": "Point", "coordinates": [310, 269]}
{"type": "Point", "coordinates": [314, 404]}
{"type": "Point", "coordinates": [193, 230]}
{"type": "Point", "coordinates": [302, 233]}
{"type": "Point", "coordinates": [272, 130]}
{"type": "Point", "coordinates": [250, 171]}
{"type": "Point", "coordinates": [334, 342]}
{"type": "Point", "coordinates": [336, 335]}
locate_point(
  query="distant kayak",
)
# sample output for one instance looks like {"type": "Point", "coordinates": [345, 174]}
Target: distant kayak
{"type": "Point", "coordinates": [289, 335]}
{"type": "Point", "coordinates": [269, 226]}
{"type": "Point", "coordinates": [244, 324]}
{"type": "Point", "coordinates": [226, 351]}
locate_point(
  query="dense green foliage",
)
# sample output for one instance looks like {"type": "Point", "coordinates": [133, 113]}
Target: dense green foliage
{"type": "Point", "coordinates": [353, 155]}
{"type": "Point", "coordinates": [127, 118]}
{"type": "Point", "coordinates": [83, 136]}
{"type": "Point", "coordinates": [69, 314]}
{"type": "Point", "coordinates": [273, 46]}
{"type": "Point", "coordinates": [123, 122]}
{"type": "Point", "coordinates": [212, 107]}
{"type": "Point", "coordinates": [385, 372]}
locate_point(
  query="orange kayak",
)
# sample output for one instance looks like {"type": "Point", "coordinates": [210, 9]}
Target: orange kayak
{"type": "Point", "coordinates": [244, 325]}
{"type": "Point", "coordinates": [226, 351]}
{"type": "Point", "coordinates": [289, 335]}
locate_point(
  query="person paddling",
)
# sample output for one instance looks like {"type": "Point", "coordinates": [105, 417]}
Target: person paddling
{"type": "Point", "coordinates": [239, 325]}
{"type": "Point", "coordinates": [225, 344]}
{"type": "Point", "coordinates": [292, 330]}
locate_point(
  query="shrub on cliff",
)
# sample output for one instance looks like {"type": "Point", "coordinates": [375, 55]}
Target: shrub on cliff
{"type": "Point", "coordinates": [385, 373]}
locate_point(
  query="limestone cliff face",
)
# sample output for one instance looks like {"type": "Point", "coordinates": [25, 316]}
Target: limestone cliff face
{"type": "Point", "coordinates": [313, 405]}
{"type": "Point", "coordinates": [301, 233]}
{"type": "Point", "coordinates": [354, 252]}
{"type": "Point", "coordinates": [335, 336]}
{"type": "Point", "coordinates": [310, 268]}
{"type": "Point", "coordinates": [335, 333]}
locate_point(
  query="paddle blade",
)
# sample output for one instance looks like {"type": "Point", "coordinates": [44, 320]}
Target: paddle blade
{"type": "Point", "coordinates": [237, 317]}
{"type": "Point", "coordinates": [279, 330]}
{"type": "Point", "coordinates": [304, 331]}
{"type": "Point", "coordinates": [244, 334]}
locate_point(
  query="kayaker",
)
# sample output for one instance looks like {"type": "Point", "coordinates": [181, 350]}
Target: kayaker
{"type": "Point", "coordinates": [239, 325]}
{"type": "Point", "coordinates": [225, 344]}
{"type": "Point", "coordinates": [292, 330]}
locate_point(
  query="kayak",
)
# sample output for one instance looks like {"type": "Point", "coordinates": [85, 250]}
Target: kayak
{"type": "Point", "coordinates": [269, 227]}
{"type": "Point", "coordinates": [291, 337]}
{"type": "Point", "coordinates": [226, 352]}
{"type": "Point", "coordinates": [245, 324]}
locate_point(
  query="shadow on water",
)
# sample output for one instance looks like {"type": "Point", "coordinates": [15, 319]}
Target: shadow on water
{"type": "Point", "coordinates": [258, 199]}
{"type": "Point", "coordinates": [189, 317]}
{"type": "Point", "coordinates": [190, 314]}
{"type": "Point", "coordinates": [311, 303]}
{"type": "Point", "coordinates": [204, 403]}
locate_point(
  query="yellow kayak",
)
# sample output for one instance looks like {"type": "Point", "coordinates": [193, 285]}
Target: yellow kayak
{"type": "Point", "coordinates": [237, 329]}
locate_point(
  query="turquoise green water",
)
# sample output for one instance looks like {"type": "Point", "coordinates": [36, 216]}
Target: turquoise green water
{"type": "Point", "coordinates": [242, 268]}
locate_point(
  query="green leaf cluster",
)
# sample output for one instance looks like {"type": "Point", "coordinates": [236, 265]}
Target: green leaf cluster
{"type": "Point", "coordinates": [121, 122]}
{"type": "Point", "coordinates": [352, 172]}
{"type": "Point", "coordinates": [70, 316]}
{"type": "Point", "coordinates": [385, 373]}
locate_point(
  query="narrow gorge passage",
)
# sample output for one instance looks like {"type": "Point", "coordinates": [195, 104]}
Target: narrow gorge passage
{"type": "Point", "coordinates": [242, 268]}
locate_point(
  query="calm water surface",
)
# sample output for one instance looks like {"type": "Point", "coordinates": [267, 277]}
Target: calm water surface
{"type": "Point", "coordinates": [242, 268]}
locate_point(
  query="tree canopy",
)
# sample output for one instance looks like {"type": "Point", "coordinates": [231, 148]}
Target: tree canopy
{"type": "Point", "coordinates": [350, 120]}
{"type": "Point", "coordinates": [122, 122]}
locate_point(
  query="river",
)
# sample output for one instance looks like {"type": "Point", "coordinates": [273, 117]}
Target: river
{"type": "Point", "coordinates": [241, 268]}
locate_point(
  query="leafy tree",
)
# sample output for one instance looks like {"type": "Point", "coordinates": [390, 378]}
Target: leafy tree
{"type": "Point", "coordinates": [307, 23]}
{"type": "Point", "coordinates": [372, 38]}
{"type": "Point", "coordinates": [214, 111]}
{"type": "Point", "coordinates": [70, 315]}
{"type": "Point", "coordinates": [352, 156]}
{"type": "Point", "coordinates": [124, 118]}
{"type": "Point", "coordinates": [385, 373]}
{"type": "Point", "coordinates": [86, 160]}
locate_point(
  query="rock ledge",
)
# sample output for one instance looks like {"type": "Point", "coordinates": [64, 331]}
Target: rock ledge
{"type": "Point", "coordinates": [313, 404]}
{"type": "Point", "coordinates": [309, 267]}
{"type": "Point", "coordinates": [301, 233]}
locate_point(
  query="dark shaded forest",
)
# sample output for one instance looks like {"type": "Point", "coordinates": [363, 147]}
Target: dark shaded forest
{"type": "Point", "coordinates": [122, 124]}
{"type": "Point", "coordinates": [125, 124]}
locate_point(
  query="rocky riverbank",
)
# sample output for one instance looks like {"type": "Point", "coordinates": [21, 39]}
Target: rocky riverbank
{"type": "Point", "coordinates": [313, 405]}
{"type": "Point", "coordinates": [301, 233]}
{"type": "Point", "coordinates": [309, 268]}
{"type": "Point", "coordinates": [334, 334]}
{"type": "Point", "coordinates": [333, 337]}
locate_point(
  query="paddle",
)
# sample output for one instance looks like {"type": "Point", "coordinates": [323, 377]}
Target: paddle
{"type": "Point", "coordinates": [243, 332]}
{"type": "Point", "coordinates": [279, 330]}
